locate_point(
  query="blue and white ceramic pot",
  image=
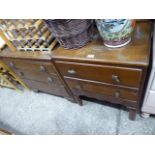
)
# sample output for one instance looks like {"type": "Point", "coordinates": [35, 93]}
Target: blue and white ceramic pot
{"type": "Point", "coordinates": [115, 32]}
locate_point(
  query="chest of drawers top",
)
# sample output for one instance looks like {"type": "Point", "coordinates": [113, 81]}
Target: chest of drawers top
{"type": "Point", "coordinates": [136, 53]}
{"type": "Point", "coordinates": [36, 55]}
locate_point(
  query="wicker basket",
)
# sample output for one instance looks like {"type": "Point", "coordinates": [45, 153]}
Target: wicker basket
{"type": "Point", "coordinates": [71, 33]}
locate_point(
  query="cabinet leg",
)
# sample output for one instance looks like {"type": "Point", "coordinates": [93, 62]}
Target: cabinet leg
{"type": "Point", "coordinates": [145, 115]}
{"type": "Point", "coordinates": [36, 90]}
{"type": "Point", "coordinates": [78, 100]}
{"type": "Point", "coordinates": [132, 114]}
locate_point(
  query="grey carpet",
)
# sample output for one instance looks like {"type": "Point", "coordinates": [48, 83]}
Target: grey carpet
{"type": "Point", "coordinates": [39, 113]}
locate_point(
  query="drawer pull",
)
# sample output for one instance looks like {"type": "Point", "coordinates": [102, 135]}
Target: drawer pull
{"type": "Point", "coordinates": [11, 64]}
{"type": "Point", "coordinates": [117, 94]}
{"type": "Point", "coordinates": [115, 79]}
{"type": "Point", "coordinates": [21, 74]}
{"type": "Point", "coordinates": [71, 71]}
{"type": "Point", "coordinates": [42, 69]}
{"type": "Point", "coordinates": [49, 79]}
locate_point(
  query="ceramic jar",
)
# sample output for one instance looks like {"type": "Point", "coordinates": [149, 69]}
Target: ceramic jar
{"type": "Point", "coordinates": [115, 32]}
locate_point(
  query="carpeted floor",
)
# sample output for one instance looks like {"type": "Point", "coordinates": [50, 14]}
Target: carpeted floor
{"type": "Point", "coordinates": [39, 113]}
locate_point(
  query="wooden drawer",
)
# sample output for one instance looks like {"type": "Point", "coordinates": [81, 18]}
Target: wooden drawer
{"type": "Point", "coordinates": [34, 70]}
{"type": "Point", "coordinates": [37, 66]}
{"type": "Point", "coordinates": [46, 87]}
{"type": "Point", "coordinates": [38, 76]}
{"type": "Point", "coordinates": [107, 74]}
{"type": "Point", "coordinates": [91, 89]}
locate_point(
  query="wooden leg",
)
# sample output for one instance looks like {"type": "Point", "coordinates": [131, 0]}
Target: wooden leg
{"type": "Point", "coordinates": [145, 115]}
{"type": "Point", "coordinates": [36, 90]}
{"type": "Point", "coordinates": [132, 114]}
{"type": "Point", "coordinates": [78, 100]}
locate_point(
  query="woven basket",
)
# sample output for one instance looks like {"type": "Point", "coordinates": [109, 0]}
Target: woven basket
{"type": "Point", "coordinates": [71, 33]}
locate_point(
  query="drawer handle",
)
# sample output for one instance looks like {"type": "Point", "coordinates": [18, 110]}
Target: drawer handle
{"type": "Point", "coordinates": [117, 94]}
{"type": "Point", "coordinates": [49, 79]}
{"type": "Point", "coordinates": [42, 69]}
{"type": "Point", "coordinates": [21, 74]}
{"type": "Point", "coordinates": [11, 64]}
{"type": "Point", "coordinates": [115, 78]}
{"type": "Point", "coordinates": [71, 71]}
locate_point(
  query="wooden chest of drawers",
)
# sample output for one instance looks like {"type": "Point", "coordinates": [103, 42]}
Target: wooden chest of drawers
{"type": "Point", "coordinates": [37, 72]}
{"type": "Point", "coordinates": [113, 75]}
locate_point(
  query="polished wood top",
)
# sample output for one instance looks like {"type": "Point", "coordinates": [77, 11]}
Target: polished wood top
{"type": "Point", "coordinates": [136, 53]}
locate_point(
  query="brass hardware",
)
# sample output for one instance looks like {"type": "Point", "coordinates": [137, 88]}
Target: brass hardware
{"type": "Point", "coordinates": [115, 78]}
{"type": "Point", "coordinates": [50, 79]}
{"type": "Point", "coordinates": [71, 71]}
{"type": "Point", "coordinates": [117, 94]}
{"type": "Point", "coordinates": [42, 69]}
{"type": "Point", "coordinates": [21, 74]}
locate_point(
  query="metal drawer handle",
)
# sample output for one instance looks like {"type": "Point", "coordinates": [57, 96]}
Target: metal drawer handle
{"type": "Point", "coordinates": [49, 79]}
{"type": "Point", "coordinates": [71, 71]}
{"type": "Point", "coordinates": [21, 74]}
{"type": "Point", "coordinates": [42, 69]}
{"type": "Point", "coordinates": [11, 64]}
{"type": "Point", "coordinates": [117, 94]}
{"type": "Point", "coordinates": [115, 78]}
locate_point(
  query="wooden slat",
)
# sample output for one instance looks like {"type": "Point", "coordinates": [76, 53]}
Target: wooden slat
{"type": "Point", "coordinates": [7, 41]}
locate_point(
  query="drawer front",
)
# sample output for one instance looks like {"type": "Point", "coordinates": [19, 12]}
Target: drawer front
{"type": "Point", "coordinates": [38, 76]}
{"type": "Point", "coordinates": [107, 74]}
{"type": "Point", "coordinates": [46, 87]}
{"type": "Point", "coordinates": [37, 66]}
{"type": "Point", "coordinates": [91, 88]}
{"type": "Point", "coordinates": [34, 70]}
